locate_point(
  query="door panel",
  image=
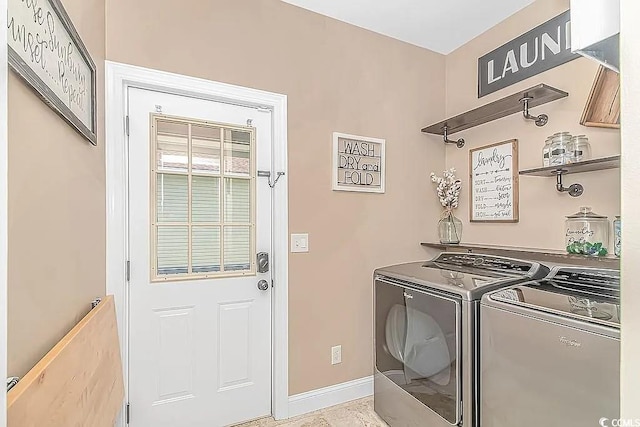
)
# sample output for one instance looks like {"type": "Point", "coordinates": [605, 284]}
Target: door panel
{"type": "Point", "coordinates": [175, 349]}
{"type": "Point", "coordinates": [538, 373]}
{"type": "Point", "coordinates": [200, 329]}
{"type": "Point", "coordinates": [235, 344]}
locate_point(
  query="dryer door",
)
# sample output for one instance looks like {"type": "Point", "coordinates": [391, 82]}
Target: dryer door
{"type": "Point", "coordinates": [418, 345]}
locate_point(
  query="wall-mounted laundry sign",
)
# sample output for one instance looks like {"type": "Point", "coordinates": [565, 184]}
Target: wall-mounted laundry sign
{"type": "Point", "coordinates": [358, 163]}
{"type": "Point", "coordinates": [493, 179]}
{"type": "Point", "coordinates": [47, 52]}
{"type": "Point", "coordinates": [541, 49]}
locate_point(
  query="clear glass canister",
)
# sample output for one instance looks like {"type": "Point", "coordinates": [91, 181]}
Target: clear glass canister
{"type": "Point", "coordinates": [580, 148]}
{"type": "Point", "coordinates": [587, 233]}
{"type": "Point", "coordinates": [617, 236]}
{"type": "Point", "coordinates": [561, 148]}
{"type": "Point", "coordinates": [546, 152]}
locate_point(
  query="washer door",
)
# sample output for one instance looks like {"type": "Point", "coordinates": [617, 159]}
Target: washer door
{"type": "Point", "coordinates": [418, 345]}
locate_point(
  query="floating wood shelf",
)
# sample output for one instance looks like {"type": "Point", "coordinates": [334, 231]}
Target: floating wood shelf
{"type": "Point", "coordinates": [574, 190]}
{"type": "Point", "coordinates": [611, 162]}
{"type": "Point", "coordinates": [537, 95]}
{"type": "Point", "coordinates": [551, 256]}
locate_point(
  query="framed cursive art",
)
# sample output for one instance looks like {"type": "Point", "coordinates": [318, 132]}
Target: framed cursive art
{"type": "Point", "coordinates": [493, 178]}
{"type": "Point", "coordinates": [46, 51]}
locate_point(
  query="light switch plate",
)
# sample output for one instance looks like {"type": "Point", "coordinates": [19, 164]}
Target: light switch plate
{"type": "Point", "coordinates": [336, 354]}
{"type": "Point", "coordinates": [300, 242]}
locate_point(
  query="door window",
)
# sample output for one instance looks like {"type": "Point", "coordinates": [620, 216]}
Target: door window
{"type": "Point", "coordinates": [203, 209]}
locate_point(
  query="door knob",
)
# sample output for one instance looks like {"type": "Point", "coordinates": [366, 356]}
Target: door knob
{"type": "Point", "coordinates": [263, 285]}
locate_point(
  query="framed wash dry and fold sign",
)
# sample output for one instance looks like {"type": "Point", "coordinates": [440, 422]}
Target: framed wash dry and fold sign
{"type": "Point", "coordinates": [46, 51]}
{"type": "Point", "coordinates": [494, 190]}
{"type": "Point", "coordinates": [358, 163]}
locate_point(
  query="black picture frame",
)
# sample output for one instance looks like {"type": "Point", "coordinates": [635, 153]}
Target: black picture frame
{"type": "Point", "coordinates": [24, 71]}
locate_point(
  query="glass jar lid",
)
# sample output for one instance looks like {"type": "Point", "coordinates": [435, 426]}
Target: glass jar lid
{"type": "Point", "coordinates": [585, 212]}
{"type": "Point", "coordinates": [580, 138]}
{"type": "Point", "coordinates": [562, 138]}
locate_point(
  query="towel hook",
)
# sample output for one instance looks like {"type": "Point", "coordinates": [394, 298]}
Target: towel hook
{"type": "Point", "coordinates": [267, 174]}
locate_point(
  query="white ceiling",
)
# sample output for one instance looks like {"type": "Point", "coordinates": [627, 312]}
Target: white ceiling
{"type": "Point", "coordinates": [438, 25]}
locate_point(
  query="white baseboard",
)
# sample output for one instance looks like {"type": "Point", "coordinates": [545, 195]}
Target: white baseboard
{"type": "Point", "coordinates": [314, 400]}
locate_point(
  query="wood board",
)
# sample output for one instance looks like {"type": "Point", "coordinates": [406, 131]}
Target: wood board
{"type": "Point", "coordinates": [78, 383]}
{"type": "Point", "coordinates": [603, 104]}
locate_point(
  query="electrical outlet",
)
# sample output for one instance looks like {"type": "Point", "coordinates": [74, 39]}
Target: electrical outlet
{"type": "Point", "coordinates": [336, 354]}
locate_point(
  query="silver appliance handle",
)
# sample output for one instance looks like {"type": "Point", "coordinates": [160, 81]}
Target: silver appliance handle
{"type": "Point", "coordinates": [415, 288]}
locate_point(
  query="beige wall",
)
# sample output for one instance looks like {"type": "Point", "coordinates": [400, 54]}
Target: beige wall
{"type": "Point", "coordinates": [337, 78]}
{"type": "Point", "coordinates": [56, 211]}
{"type": "Point", "coordinates": [630, 56]}
{"type": "Point", "coordinates": [542, 208]}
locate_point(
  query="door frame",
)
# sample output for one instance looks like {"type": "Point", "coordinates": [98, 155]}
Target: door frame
{"type": "Point", "coordinates": [4, 154]}
{"type": "Point", "coordinates": [118, 78]}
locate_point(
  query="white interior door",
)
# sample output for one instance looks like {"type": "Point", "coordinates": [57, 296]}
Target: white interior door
{"type": "Point", "coordinates": [200, 327]}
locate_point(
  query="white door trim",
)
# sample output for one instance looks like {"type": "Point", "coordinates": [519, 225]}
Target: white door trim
{"type": "Point", "coordinates": [119, 77]}
{"type": "Point", "coordinates": [3, 205]}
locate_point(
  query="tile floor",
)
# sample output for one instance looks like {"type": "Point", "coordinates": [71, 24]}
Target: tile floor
{"type": "Point", "coordinates": [358, 413]}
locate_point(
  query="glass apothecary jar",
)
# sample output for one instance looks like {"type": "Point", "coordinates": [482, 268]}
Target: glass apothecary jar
{"type": "Point", "coordinates": [546, 153]}
{"type": "Point", "coordinates": [561, 153]}
{"type": "Point", "coordinates": [617, 236]}
{"type": "Point", "coordinates": [580, 148]}
{"type": "Point", "coordinates": [587, 233]}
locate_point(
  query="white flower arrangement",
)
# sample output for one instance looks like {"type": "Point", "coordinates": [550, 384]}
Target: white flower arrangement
{"type": "Point", "coordinates": [448, 188]}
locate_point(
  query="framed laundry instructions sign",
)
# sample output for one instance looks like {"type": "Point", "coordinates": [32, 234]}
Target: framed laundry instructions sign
{"type": "Point", "coordinates": [45, 50]}
{"type": "Point", "coordinates": [494, 191]}
{"type": "Point", "coordinates": [358, 163]}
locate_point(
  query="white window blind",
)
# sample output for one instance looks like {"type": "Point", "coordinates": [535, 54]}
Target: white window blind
{"type": "Point", "coordinates": [203, 222]}
{"type": "Point", "coordinates": [173, 256]}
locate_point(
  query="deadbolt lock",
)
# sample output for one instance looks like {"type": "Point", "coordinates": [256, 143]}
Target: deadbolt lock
{"type": "Point", "coordinates": [262, 259]}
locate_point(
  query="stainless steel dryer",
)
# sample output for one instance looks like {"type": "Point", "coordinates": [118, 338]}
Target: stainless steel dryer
{"type": "Point", "coordinates": [550, 351]}
{"type": "Point", "coordinates": [426, 343]}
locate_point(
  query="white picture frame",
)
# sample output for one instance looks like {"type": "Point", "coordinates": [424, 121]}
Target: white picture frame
{"type": "Point", "coordinates": [358, 163]}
